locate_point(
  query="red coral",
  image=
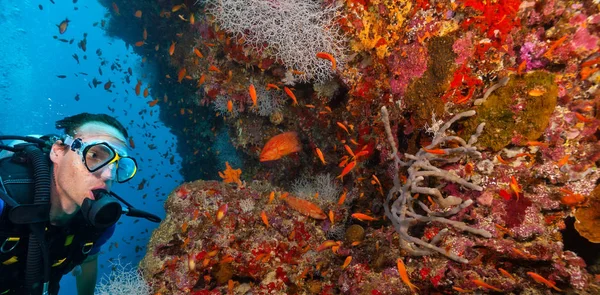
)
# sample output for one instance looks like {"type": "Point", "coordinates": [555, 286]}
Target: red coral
{"type": "Point", "coordinates": [498, 19]}
{"type": "Point", "coordinates": [515, 211]}
{"type": "Point", "coordinates": [462, 81]}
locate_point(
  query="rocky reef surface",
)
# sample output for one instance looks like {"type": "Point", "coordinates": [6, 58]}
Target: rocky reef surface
{"type": "Point", "coordinates": [385, 147]}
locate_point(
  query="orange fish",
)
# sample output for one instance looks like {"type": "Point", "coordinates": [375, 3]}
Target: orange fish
{"type": "Point", "coordinates": [563, 161]}
{"type": "Point", "coordinates": [435, 151]}
{"type": "Point", "coordinates": [501, 160]}
{"type": "Point", "coordinates": [341, 125]}
{"type": "Point", "coordinates": [522, 67]}
{"type": "Point", "coordinates": [327, 56]}
{"type": "Point", "coordinates": [347, 170]}
{"type": "Point", "coordinates": [222, 211]}
{"type": "Point", "coordinates": [172, 48]}
{"type": "Point", "coordinates": [363, 217]}
{"type": "Point", "coordinates": [461, 290]}
{"type": "Point", "coordinates": [145, 34]}
{"type": "Point", "coordinates": [198, 53]}
{"type": "Point", "coordinates": [201, 80]}
{"type": "Point", "coordinates": [291, 95]}
{"type": "Point", "coordinates": [138, 13]}
{"type": "Point", "coordinates": [146, 92]}
{"type": "Point", "coordinates": [331, 216]}
{"type": "Point", "coordinates": [131, 143]}
{"type": "Point", "coordinates": [506, 274]}
{"type": "Point", "coordinates": [349, 150]}
{"type": "Point", "coordinates": [138, 87]}
{"type": "Point", "coordinates": [230, 106]}
{"type": "Point", "coordinates": [548, 53]}
{"type": "Point", "coordinates": [543, 280]}
{"type": "Point", "coordinates": [583, 118]}
{"type": "Point", "coordinates": [280, 145]}
{"type": "Point", "coordinates": [116, 8]}
{"type": "Point", "coordinates": [536, 92]}
{"type": "Point", "coordinates": [347, 262]}
{"type": "Point", "coordinates": [342, 198]}
{"type": "Point", "coordinates": [404, 275]}
{"type": "Point", "coordinates": [181, 74]}
{"type": "Point", "coordinates": [537, 143]}
{"type": "Point", "coordinates": [252, 92]}
{"type": "Point", "coordinates": [139, 43]}
{"type": "Point", "coordinates": [271, 197]}
{"type": "Point", "coordinates": [192, 19]}
{"type": "Point", "coordinates": [305, 207]}
{"type": "Point", "coordinates": [153, 103]}
{"type": "Point", "coordinates": [212, 68]}
{"type": "Point", "coordinates": [320, 155]}
{"type": "Point", "coordinates": [177, 7]}
{"type": "Point", "coordinates": [184, 226]}
{"type": "Point", "coordinates": [107, 85]}
{"type": "Point", "coordinates": [264, 218]}
{"type": "Point", "coordinates": [481, 283]}
{"type": "Point", "coordinates": [272, 86]}
{"type": "Point", "coordinates": [326, 245]}
{"type": "Point", "coordinates": [230, 284]}
{"type": "Point", "coordinates": [62, 27]}
{"type": "Point", "coordinates": [515, 187]}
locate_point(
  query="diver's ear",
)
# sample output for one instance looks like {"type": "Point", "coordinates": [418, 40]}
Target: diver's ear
{"type": "Point", "coordinates": [57, 151]}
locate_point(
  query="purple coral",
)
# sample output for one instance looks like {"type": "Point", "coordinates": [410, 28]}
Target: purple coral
{"type": "Point", "coordinates": [407, 63]}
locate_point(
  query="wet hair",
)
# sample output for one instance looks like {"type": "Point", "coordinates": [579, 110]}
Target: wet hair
{"type": "Point", "coordinates": [72, 123]}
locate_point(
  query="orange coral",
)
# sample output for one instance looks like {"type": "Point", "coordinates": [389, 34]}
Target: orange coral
{"type": "Point", "coordinates": [231, 175]}
{"type": "Point", "coordinates": [588, 218]}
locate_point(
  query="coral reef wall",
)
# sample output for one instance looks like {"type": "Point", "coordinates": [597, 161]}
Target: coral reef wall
{"type": "Point", "coordinates": [438, 145]}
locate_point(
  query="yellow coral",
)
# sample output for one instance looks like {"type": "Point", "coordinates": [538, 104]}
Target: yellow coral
{"type": "Point", "coordinates": [377, 26]}
{"type": "Point", "coordinates": [231, 175]}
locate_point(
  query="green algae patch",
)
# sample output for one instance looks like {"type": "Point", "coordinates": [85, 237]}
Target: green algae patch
{"type": "Point", "coordinates": [423, 95]}
{"type": "Point", "coordinates": [520, 110]}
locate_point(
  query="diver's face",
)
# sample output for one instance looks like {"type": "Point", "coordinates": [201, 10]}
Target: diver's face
{"type": "Point", "coordinates": [72, 178]}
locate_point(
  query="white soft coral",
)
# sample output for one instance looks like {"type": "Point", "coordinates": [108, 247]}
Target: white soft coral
{"type": "Point", "coordinates": [292, 31]}
{"type": "Point", "coordinates": [123, 280]}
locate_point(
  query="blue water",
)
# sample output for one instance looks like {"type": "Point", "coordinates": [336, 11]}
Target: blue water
{"type": "Point", "coordinates": [32, 98]}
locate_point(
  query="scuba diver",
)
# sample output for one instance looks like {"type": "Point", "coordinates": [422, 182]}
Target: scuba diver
{"type": "Point", "coordinates": [56, 204]}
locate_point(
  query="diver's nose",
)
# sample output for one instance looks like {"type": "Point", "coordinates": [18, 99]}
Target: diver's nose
{"type": "Point", "coordinates": [109, 172]}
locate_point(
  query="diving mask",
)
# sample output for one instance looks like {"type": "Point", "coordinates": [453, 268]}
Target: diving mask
{"type": "Point", "coordinates": [97, 155]}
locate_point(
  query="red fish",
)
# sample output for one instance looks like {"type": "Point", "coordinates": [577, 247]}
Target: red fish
{"type": "Point", "coordinates": [305, 207]}
{"type": "Point", "coordinates": [280, 145]}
